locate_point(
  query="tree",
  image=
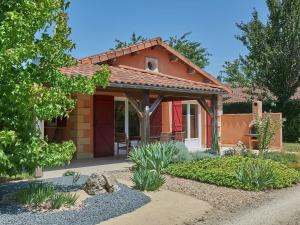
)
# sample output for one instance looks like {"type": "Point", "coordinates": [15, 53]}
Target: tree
{"type": "Point", "coordinates": [133, 40]}
{"type": "Point", "coordinates": [193, 50]}
{"type": "Point", "coordinates": [273, 59]}
{"type": "Point", "coordinates": [30, 91]}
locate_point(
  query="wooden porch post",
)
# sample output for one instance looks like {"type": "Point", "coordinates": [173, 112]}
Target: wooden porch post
{"type": "Point", "coordinates": [214, 120]}
{"type": "Point", "coordinates": [145, 120]}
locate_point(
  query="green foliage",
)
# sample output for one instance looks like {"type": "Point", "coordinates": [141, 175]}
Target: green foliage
{"type": "Point", "coordinates": [156, 156]}
{"type": "Point", "coordinates": [273, 59]}
{"type": "Point", "coordinates": [257, 175]}
{"type": "Point", "coordinates": [35, 195]}
{"type": "Point", "coordinates": [192, 50]}
{"type": "Point", "coordinates": [282, 157]}
{"type": "Point", "coordinates": [149, 162]}
{"type": "Point", "coordinates": [35, 44]}
{"type": "Point", "coordinates": [133, 40]}
{"type": "Point", "coordinates": [291, 147]}
{"type": "Point", "coordinates": [148, 180]}
{"type": "Point", "coordinates": [221, 171]}
{"type": "Point", "coordinates": [63, 199]}
{"type": "Point", "coordinates": [266, 129]}
{"type": "Point", "coordinates": [44, 195]}
{"type": "Point", "coordinates": [182, 154]}
{"type": "Point", "coordinates": [69, 173]}
{"type": "Point", "coordinates": [21, 176]}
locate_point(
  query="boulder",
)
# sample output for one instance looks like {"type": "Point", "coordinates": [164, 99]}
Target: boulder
{"type": "Point", "coordinates": [99, 183]}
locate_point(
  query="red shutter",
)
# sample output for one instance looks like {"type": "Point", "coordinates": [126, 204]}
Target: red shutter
{"type": "Point", "coordinates": [208, 125]}
{"type": "Point", "coordinates": [177, 116]}
{"type": "Point", "coordinates": [104, 132]}
{"type": "Point", "coordinates": [156, 121]}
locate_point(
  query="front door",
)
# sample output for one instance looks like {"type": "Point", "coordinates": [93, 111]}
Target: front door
{"type": "Point", "coordinates": [191, 122]}
{"type": "Point", "coordinates": [103, 126]}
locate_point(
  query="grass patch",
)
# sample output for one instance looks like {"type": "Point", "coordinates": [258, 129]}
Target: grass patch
{"type": "Point", "coordinates": [224, 172]}
{"type": "Point", "coordinates": [40, 195]}
{"type": "Point", "coordinates": [291, 147]}
{"type": "Point", "coordinates": [21, 176]}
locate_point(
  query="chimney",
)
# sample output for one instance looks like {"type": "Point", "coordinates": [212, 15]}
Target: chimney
{"type": "Point", "coordinates": [257, 109]}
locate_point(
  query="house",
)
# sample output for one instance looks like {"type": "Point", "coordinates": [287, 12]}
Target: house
{"type": "Point", "coordinates": [153, 91]}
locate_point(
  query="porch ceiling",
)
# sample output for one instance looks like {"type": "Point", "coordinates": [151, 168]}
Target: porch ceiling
{"type": "Point", "coordinates": [133, 78]}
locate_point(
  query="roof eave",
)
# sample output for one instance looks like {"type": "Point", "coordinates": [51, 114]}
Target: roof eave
{"type": "Point", "coordinates": [170, 89]}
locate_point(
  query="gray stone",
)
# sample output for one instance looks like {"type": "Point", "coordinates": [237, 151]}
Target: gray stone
{"type": "Point", "coordinates": [99, 183]}
{"type": "Point", "coordinates": [95, 184]}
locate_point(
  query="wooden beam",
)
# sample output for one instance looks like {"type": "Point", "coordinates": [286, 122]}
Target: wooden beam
{"type": "Point", "coordinates": [204, 104]}
{"type": "Point", "coordinates": [135, 105]}
{"type": "Point", "coordinates": [214, 121]}
{"type": "Point", "coordinates": [155, 104]}
{"type": "Point", "coordinates": [145, 121]}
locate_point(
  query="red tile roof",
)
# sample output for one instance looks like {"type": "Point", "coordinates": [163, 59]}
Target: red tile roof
{"type": "Point", "coordinates": [242, 94]}
{"type": "Point", "coordinates": [130, 77]}
{"type": "Point", "coordinates": [105, 56]}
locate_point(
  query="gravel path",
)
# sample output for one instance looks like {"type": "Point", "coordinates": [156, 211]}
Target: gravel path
{"type": "Point", "coordinates": [96, 209]}
{"type": "Point", "coordinates": [221, 198]}
{"type": "Point", "coordinates": [283, 209]}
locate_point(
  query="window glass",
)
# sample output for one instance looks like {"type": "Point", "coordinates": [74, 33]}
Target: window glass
{"type": "Point", "coordinates": [119, 117]}
{"type": "Point", "coordinates": [184, 119]}
{"type": "Point", "coordinates": [134, 123]}
{"type": "Point", "coordinates": [194, 120]}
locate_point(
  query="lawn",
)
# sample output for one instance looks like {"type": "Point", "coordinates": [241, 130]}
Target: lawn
{"type": "Point", "coordinates": [291, 147]}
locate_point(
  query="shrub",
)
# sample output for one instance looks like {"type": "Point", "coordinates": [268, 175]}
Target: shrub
{"type": "Point", "coordinates": [156, 156]}
{"type": "Point", "coordinates": [69, 173]}
{"type": "Point", "coordinates": [149, 162]}
{"type": "Point", "coordinates": [148, 180]}
{"type": "Point", "coordinates": [44, 195]}
{"type": "Point", "coordinates": [181, 153]}
{"type": "Point", "coordinates": [63, 199]}
{"type": "Point", "coordinates": [266, 130]}
{"type": "Point", "coordinates": [35, 195]}
{"type": "Point", "coordinates": [199, 155]}
{"type": "Point", "coordinates": [257, 174]}
{"type": "Point", "coordinates": [221, 171]}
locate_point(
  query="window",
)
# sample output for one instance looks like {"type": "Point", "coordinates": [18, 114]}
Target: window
{"type": "Point", "coordinates": [151, 64]}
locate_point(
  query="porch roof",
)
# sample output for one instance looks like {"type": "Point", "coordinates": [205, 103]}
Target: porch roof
{"type": "Point", "coordinates": [129, 77]}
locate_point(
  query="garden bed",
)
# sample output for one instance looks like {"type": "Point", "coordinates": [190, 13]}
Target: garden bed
{"type": "Point", "coordinates": [222, 172]}
{"type": "Point", "coordinates": [95, 208]}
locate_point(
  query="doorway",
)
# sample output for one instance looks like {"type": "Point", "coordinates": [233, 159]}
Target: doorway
{"type": "Point", "coordinates": [191, 124]}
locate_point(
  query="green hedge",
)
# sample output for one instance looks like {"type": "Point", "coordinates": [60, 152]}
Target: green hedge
{"type": "Point", "coordinates": [291, 113]}
{"type": "Point", "coordinates": [221, 171]}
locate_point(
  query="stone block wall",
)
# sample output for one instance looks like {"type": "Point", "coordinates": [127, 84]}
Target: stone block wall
{"type": "Point", "coordinates": [80, 126]}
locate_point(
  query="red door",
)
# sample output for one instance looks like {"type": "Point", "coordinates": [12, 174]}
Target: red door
{"type": "Point", "coordinates": [208, 130]}
{"type": "Point", "coordinates": [104, 132]}
{"type": "Point", "coordinates": [156, 121]}
{"type": "Point", "coordinates": [177, 116]}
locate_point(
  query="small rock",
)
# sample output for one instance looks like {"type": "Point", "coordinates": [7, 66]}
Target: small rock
{"type": "Point", "coordinates": [99, 183]}
{"type": "Point", "coordinates": [95, 184]}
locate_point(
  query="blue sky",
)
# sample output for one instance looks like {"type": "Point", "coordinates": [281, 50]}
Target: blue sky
{"type": "Point", "coordinates": [96, 24]}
